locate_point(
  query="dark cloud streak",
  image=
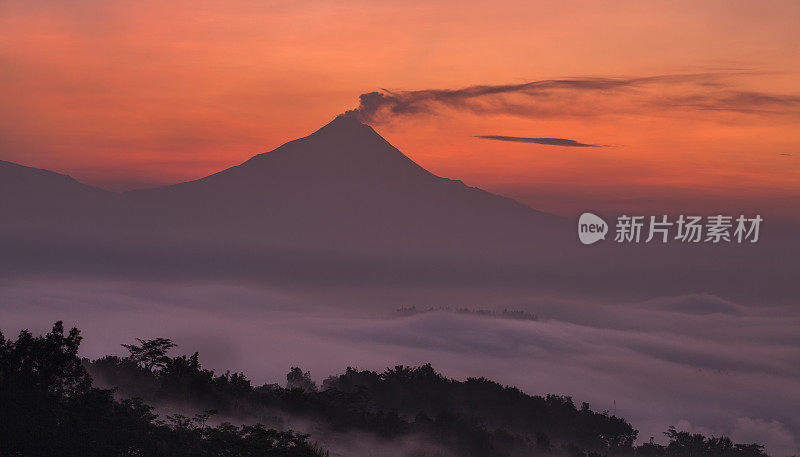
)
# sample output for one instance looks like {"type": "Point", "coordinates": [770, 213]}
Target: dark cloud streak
{"type": "Point", "coordinates": [547, 141]}
{"type": "Point", "coordinates": [425, 101]}
{"type": "Point", "coordinates": [581, 97]}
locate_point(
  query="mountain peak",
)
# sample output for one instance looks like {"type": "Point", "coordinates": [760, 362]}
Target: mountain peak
{"type": "Point", "coordinates": [346, 123]}
{"type": "Point", "coordinates": [351, 116]}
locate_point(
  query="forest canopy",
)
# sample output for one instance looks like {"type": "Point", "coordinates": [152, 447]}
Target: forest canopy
{"type": "Point", "coordinates": [51, 405]}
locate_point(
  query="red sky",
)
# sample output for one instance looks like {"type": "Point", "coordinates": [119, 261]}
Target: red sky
{"type": "Point", "coordinates": [127, 94]}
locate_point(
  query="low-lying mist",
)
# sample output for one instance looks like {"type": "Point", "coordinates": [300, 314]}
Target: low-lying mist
{"type": "Point", "coordinates": [698, 362]}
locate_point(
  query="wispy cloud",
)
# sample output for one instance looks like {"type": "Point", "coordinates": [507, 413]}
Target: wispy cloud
{"type": "Point", "coordinates": [548, 141]}
{"type": "Point", "coordinates": [588, 96]}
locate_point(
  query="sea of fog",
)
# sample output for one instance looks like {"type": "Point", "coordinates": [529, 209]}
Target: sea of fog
{"type": "Point", "coordinates": [697, 362]}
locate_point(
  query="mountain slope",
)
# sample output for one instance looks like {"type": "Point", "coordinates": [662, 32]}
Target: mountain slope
{"type": "Point", "coordinates": [26, 185]}
{"type": "Point", "coordinates": [340, 196]}
{"type": "Point", "coordinates": [341, 188]}
{"type": "Point", "coordinates": [343, 206]}
{"type": "Point", "coordinates": [34, 197]}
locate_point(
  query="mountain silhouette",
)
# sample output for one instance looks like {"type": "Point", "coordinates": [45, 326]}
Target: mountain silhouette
{"type": "Point", "coordinates": [34, 200]}
{"type": "Point", "coordinates": [341, 194]}
{"type": "Point", "coordinates": [343, 205]}
{"type": "Point", "coordinates": [344, 188]}
{"type": "Point", "coordinates": [23, 188]}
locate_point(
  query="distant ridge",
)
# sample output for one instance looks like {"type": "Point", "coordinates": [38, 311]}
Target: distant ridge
{"type": "Point", "coordinates": [38, 197]}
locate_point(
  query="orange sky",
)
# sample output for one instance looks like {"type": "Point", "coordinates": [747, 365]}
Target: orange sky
{"type": "Point", "coordinates": [124, 94]}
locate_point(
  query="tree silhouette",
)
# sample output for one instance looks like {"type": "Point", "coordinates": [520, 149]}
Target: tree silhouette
{"type": "Point", "coordinates": [49, 408]}
{"type": "Point", "coordinates": [47, 365]}
{"type": "Point", "coordinates": [297, 379]}
{"type": "Point", "coordinates": [150, 354]}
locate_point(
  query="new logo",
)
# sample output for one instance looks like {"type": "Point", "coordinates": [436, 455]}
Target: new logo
{"type": "Point", "coordinates": [591, 228]}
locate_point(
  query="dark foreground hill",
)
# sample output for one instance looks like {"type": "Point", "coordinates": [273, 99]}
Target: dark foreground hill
{"type": "Point", "coordinates": [49, 407]}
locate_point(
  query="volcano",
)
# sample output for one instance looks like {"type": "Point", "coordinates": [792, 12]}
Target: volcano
{"type": "Point", "coordinates": [344, 206]}
{"type": "Point", "coordinates": [342, 188]}
{"type": "Point", "coordinates": [341, 194]}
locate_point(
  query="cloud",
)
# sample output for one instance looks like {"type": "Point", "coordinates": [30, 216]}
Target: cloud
{"type": "Point", "coordinates": [748, 430]}
{"type": "Point", "coordinates": [723, 367]}
{"type": "Point", "coordinates": [737, 101]}
{"type": "Point", "coordinates": [548, 141]}
{"type": "Point", "coordinates": [582, 96]}
{"type": "Point", "coordinates": [699, 304]}
{"type": "Point", "coordinates": [373, 104]}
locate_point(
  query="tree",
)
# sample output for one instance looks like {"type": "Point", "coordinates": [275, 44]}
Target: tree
{"type": "Point", "coordinates": [47, 364]}
{"type": "Point", "coordinates": [150, 354]}
{"type": "Point", "coordinates": [48, 408]}
{"type": "Point", "coordinates": [297, 379]}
